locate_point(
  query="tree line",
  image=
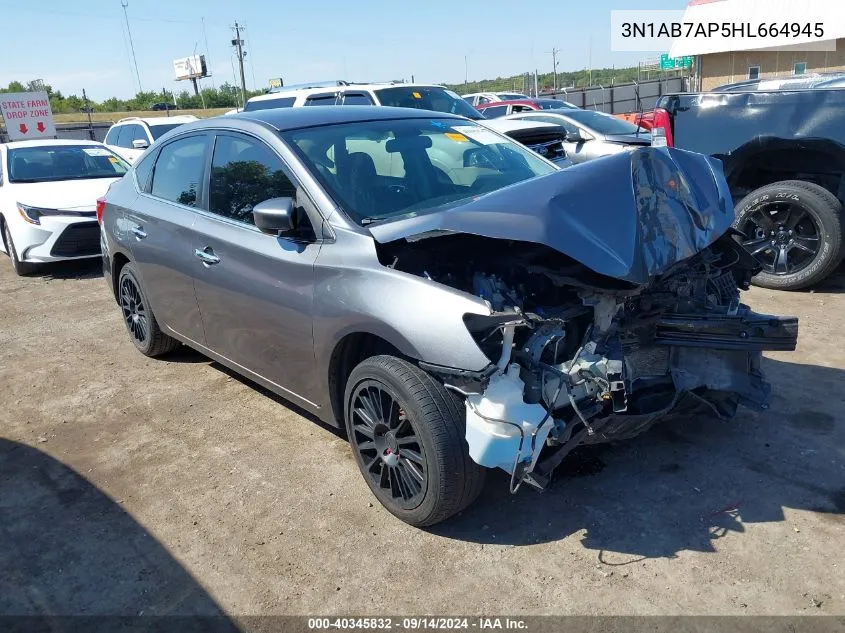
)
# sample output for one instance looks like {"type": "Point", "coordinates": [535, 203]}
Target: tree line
{"type": "Point", "coordinates": [224, 96]}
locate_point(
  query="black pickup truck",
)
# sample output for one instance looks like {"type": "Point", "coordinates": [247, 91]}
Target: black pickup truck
{"type": "Point", "coordinates": [784, 158]}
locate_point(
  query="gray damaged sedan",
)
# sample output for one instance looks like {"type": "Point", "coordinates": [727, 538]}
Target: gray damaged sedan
{"type": "Point", "coordinates": [452, 299]}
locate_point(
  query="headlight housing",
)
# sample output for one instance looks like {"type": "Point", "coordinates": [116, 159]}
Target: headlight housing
{"type": "Point", "coordinates": [33, 215]}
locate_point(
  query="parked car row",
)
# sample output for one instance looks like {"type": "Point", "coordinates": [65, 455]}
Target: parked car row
{"type": "Point", "coordinates": [452, 298]}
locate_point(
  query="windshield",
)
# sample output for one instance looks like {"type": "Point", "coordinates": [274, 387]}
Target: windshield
{"type": "Point", "coordinates": [510, 96]}
{"type": "Point", "coordinates": [430, 98]}
{"type": "Point", "coordinates": [267, 104]}
{"type": "Point", "coordinates": [377, 170]}
{"type": "Point", "coordinates": [160, 130]}
{"type": "Point", "coordinates": [553, 104]}
{"type": "Point", "coordinates": [603, 123]}
{"type": "Point", "coordinates": [49, 163]}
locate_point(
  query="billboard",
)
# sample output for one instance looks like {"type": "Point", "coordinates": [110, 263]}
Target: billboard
{"type": "Point", "coordinates": [190, 67]}
{"type": "Point", "coordinates": [27, 115]}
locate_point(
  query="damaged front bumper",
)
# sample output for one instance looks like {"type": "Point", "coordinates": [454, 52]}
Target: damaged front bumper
{"type": "Point", "coordinates": [693, 363]}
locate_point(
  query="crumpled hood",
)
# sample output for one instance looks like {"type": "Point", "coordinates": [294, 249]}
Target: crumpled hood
{"type": "Point", "coordinates": [630, 216]}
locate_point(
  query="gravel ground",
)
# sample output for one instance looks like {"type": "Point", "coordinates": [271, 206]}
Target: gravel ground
{"type": "Point", "coordinates": [133, 485]}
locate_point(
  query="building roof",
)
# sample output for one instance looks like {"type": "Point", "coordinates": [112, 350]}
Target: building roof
{"type": "Point", "coordinates": [757, 12]}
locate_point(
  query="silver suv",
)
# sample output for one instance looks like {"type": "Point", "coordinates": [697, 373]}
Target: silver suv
{"type": "Point", "coordinates": [453, 300]}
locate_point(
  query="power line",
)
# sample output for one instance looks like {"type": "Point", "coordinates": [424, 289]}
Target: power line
{"type": "Point", "coordinates": [207, 58]}
{"type": "Point", "coordinates": [251, 67]}
{"type": "Point", "coordinates": [124, 4]}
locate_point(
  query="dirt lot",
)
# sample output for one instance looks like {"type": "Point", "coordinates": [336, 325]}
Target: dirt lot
{"type": "Point", "coordinates": [170, 486]}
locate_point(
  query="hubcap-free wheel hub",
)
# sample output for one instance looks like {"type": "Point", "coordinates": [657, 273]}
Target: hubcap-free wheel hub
{"type": "Point", "coordinates": [388, 446]}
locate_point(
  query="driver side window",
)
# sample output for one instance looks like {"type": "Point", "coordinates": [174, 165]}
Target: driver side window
{"type": "Point", "coordinates": [244, 172]}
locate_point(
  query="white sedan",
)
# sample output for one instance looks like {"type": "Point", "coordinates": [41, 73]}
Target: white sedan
{"type": "Point", "coordinates": [48, 199]}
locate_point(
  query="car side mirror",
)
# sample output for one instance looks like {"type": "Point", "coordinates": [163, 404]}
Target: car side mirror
{"type": "Point", "coordinates": [275, 216]}
{"type": "Point", "coordinates": [574, 137]}
{"type": "Point", "coordinates": [140, 143]}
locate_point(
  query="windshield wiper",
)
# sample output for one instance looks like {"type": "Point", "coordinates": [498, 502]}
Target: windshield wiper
{"type": "Point", "coordinates": [370, 220]}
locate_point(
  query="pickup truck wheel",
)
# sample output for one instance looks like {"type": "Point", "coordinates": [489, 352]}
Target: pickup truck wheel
{"type": "Point", "coordinates": [794, 229]}
{"type": "Point", "coordinates": [407, 436]}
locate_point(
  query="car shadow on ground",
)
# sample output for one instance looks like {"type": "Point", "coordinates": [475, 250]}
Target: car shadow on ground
{"type": "Point", "coordinates": [72, 269]}
{"type": "Point", "coordinates": [834, 283]}
{"type": "Point", "coordinates": [69, 549]}
{"type": "Point", "coordinates": [683, 484]}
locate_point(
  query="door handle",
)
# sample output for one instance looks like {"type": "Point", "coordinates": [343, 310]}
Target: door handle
{"type": "Point", "coordinates": [139, 232]}
{"type": "Point", "coordinates": [207, 256]}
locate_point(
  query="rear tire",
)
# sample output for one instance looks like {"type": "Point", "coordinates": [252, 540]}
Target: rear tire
{"type": "Point", "coordinates": [785, 221]}
{"type": "Point", "coordinates": [407, 435]}
{"type": "Point", "coordinates": [138, 317]}
{"type": "Point", "coordinates": [21, 268]}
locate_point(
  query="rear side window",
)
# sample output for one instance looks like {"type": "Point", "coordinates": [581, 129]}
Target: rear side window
{"type": "Point", "coordinates": [177, 175]}
{"type": "Point", "coordinates": [268, 104]}
{"type": "Point", "coordinates": [244, 172]}
{"type": "Point", "coordinates": [356, 98]}
{"type": "Point", "coordinates": [114, 133]}
{"type": "Point", "coordinates": [321, 100]}
{"type": "Point", "coordinates": [495, 111]}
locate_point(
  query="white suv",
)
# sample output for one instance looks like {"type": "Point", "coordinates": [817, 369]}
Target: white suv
{"type": "Point", "coordinates": [129, 137]}
{"type": "Point", "coordinates": [541, 137]}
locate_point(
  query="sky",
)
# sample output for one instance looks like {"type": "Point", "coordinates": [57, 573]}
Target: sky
{"type": "Point", "coordinates": [79, 45]}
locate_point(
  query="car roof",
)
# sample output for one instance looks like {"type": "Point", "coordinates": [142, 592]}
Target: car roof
{"type": "Point", "coordinates": [158, 120]}
{"type": "Point", "coordinates": [293, 92]}
{"type": "Point", "coordinates": [293, 118]}
{"type": "Point", "coordinates": [48, 142]}
{"type": "Point", "coordinates": [508, 102]}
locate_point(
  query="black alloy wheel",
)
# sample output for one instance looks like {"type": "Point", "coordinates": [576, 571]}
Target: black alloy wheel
{"type": "Point", "coordinates": [140, 321]}
{"type": "Point", "coordinates": [407, 434]}
{"type": "Point", "coordinates": [782, 236]}
{"type": "Point", "coordinates": [794, 230]}
{"type": "Point", "coordinates": [134, 311]}
{"type": "Point", "coordinates": [386, 441]}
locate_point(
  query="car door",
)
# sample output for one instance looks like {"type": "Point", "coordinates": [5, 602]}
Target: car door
{"type": "Point", "coordinates": [255, 290]}
{"type": "Point", "coordinates": [132, 132]}
{"type": "Point", "coordinates": [160, 228]}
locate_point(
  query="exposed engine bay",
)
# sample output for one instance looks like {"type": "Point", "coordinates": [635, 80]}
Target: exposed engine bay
{"type": "Point", "coordinates": [577, 357]}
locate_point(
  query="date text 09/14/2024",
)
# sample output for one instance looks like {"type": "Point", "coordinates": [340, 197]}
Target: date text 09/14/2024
{"type": "Point", "coordinates": [417, 623]}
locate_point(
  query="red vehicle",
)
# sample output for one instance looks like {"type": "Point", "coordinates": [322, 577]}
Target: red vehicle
{"type": "Point", "coordinates": [643, 119]}
{"type": "Point", "coordinates": [495, 109]}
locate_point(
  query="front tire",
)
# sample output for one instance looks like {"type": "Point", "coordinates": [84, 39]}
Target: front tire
{"type": "Point", "coordinates": [138, 317]}
{"type": "Point", "coordinates": [21, 268]}
{"type": "Point", "coordinates": [407, 435]}
{"type": "Point", "coordinates": [794, 229]}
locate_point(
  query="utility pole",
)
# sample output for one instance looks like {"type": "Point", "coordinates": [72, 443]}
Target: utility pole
{"type": "Point", "coordinates": [124, 4]}
{"type": "Point", "coordinates": [238, 43]}
{"type": "Point", "coordinates": [554, 53]}
{"type": "Point", "coordinates": [88, 112]}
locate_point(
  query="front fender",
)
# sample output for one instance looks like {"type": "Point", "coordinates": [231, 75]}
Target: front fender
{"type": "Point", "coordinates": [354, 293]}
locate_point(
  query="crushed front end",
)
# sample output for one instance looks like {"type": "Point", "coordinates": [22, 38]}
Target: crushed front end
{"type": "Point", "coordinates": [595, 336]}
